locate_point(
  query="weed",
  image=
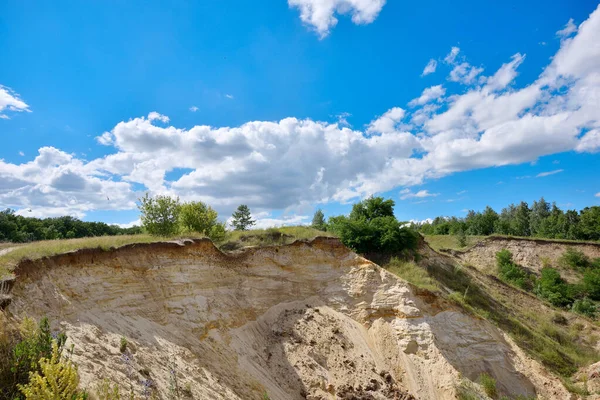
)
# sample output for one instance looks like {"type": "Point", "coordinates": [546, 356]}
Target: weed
{"type": "Point", "coordinates": [106, 391]}
{"type": "Point", "coordinates": [412, 273]}
{"type": "Point", "coordinates": [489, 385]}
{"type": "Point", "coordinates": [574, 259]}
{"type": "Point", "coordinates": [123, 345]}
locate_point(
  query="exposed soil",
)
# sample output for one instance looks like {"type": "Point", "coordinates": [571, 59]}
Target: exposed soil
{"type": "Point", "coordinates": [309, 320]}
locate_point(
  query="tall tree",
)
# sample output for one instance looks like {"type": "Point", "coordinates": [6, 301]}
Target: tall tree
{"type": "Point", "coordinates": [242, 218]}
{"type": "Point", "coordinates": [318, 221]}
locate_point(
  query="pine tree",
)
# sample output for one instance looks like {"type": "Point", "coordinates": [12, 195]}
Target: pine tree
{"type": "Point", "coordinates": [318, 221]}
{"type": "Point", "coordinates": [242, 219]}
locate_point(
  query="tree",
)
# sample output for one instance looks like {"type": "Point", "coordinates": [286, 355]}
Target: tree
{"type": "Point", "coordinates": [371, 208]}
{"type": "Point", "coordinates": [318, 221]}
{"type": "Point", "coordinates": [372, 227]}
{"type": "Point", "coordinates": [589, 223]}
{"type": "Point", "coordinates": [242, 219]}
{"type": "Point", "coordinates": [196, 216]}
{"type": "Point", "coordinates": [539, 212]}
{"type": "Point", "coordinates": [160, 214]}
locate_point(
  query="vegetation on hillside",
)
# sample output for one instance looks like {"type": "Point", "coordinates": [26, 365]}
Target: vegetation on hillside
{"type": "Point", "coordinates": [19, 229]}
{"type": "Point", "coordinates": [551, 287]}
{"type": "Point", "coordinates": [542, 220]}
{"type": "Point", "coordinates": [372, 228]}
{"type": "Point", "coordinates": [32, 364]}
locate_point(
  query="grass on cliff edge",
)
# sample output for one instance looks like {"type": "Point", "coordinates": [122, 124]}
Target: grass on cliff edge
{"type": "Point", "coordinates": [438, 242]}
{"type": "Point", "coordinates": [257, 237]}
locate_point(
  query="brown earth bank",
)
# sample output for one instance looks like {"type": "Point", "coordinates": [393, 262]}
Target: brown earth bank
{"type": "Point", "coordinates": [309, 320]}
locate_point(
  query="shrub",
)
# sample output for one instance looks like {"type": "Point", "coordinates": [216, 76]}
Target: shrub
{"type": "Point", "coordinates": [196, 216]}
{"type": "Point", "coordinates": [591, 283]}
{"type": "Point", "coordinates": [373, 228]}
{"type": "Point", "coordinates": [585, 307]}
{"type": "Point", "coordinates": [123, 345]}
{"type": "Point", "coordinates": [553, 288]}
{"type": "Point", "coordinates": [489, 385]}
{"type": "Point", "coordinates": [57, 379]}
{"type": "Point", "coordinates": [511, 272]}
{"type": "Point", "coordinates": [574, 259]}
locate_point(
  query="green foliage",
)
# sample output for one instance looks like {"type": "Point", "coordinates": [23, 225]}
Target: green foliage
{"type": "Point", "coordinates": [318, 221]}
{"type": "Point", "coordinates": [56, 380]}
{"type": "Point", "coordinates": [585, 307]}
{"type": "Point", "coordinates": [372, 228]}
{"type": "Point", "coordinates": [21, 355]}
{"type": "Point", "coordinates": [123, 345]}
{"type": "Point", "coordinates": [541, 220]}
{"type": "Point", "coordinates": [242, 219]}
{"type": "Point", "coordinates": [489, 385]}
{"type": "Point", "coordinates": [160, 214]}
{"type": "Point", "coordinates": [196, 216]}
{"type": "Point", "coordinates": [511, 272]}
{"type": "Point", "coordinates": [553, 288]}
{"type": "Point", "coordinates": [591, 283]}
{"type": "Point", "coordinates": [574, 259]}
{"type": "Point", "coordinates": [20, 229]}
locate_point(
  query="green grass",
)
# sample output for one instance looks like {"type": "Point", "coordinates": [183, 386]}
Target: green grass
{"type": "Point", "coordinates": [438, 242]}
{"type": "Point", "coordinates": [271, 236]}
{"type": "Point", "coordinates": [235, 239]}
{"type": "Point", "coordinates": [558, 349]}
{"type": "Point", "coordinates": [411, 272]}
{"type": "Point", "coordinates": [489, 385]}
{"type": "Point", "coordinates": [37, 250]}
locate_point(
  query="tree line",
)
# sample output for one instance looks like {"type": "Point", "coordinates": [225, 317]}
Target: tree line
{"type": "Point", "coordinates": [20, 229]}
{"type": "Point", "coordinates": [542, 220]}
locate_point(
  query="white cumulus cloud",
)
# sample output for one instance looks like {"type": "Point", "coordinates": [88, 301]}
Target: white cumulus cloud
{"type": "Point", "coordinates": [321, 14]}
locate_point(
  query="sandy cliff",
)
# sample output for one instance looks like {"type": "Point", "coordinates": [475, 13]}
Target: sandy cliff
{"type": "Point", "coordinates": [307, 320]}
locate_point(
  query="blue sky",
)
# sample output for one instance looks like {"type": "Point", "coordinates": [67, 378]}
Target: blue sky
{"type": "Point", "coordinates": [102, 101]}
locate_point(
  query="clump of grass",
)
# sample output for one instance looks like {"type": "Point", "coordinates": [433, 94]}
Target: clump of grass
{"type": "Point", "coordinates": [412, 273]}
{"type": "Point", "coordinates": [489, 385]}
{"type": "Point", "coordinates": [123, 345]}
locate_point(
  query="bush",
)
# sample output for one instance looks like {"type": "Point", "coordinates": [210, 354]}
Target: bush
{"type": "Point", "coordinates": [196, 216]}
{"type": "Point", "coordinates": [123, 345]}
{"type": "Point", "coordinates": [591, 283]}
{"type": "Point", "coordinates": [57, 379]}
{"type": "Point", "coordinates": [21, 354]}
{"type": "Point", "coordinates": [574, 259]}
{"type": "Point", "coordinates": [584, 307]}
{"type": "Point", "coordinates": [553, 288]}
{"type": "Point", "coordinates": [511, 272]}
{"type": "Point", "coordinates": [373, 228]}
